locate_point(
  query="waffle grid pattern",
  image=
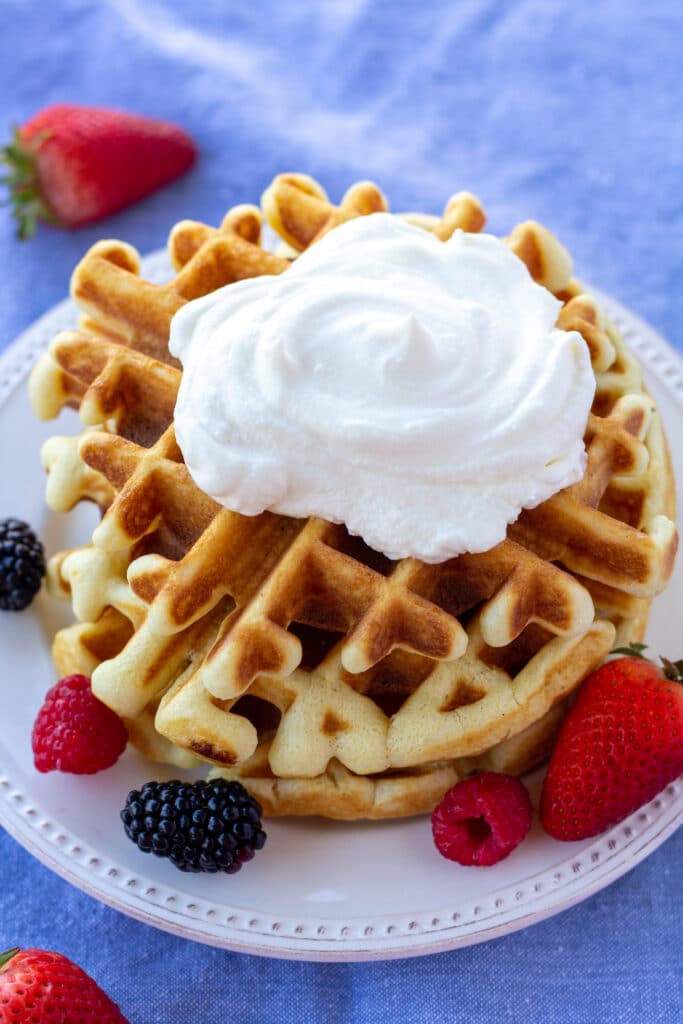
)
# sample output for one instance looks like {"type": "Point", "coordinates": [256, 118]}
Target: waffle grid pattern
{"type": "Point", "coordinates": [287, 652]}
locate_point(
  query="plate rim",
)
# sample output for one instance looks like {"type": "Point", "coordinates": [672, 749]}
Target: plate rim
{"type": "Point", "coordinates": [592, 868]}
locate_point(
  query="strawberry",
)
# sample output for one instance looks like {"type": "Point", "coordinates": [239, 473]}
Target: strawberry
{"type": "Point", "coordinates": [37, 986]}
{"type": "Point", "coordinates": [71, 165]}
{"type": "Point", "coordinates": [620, 745]}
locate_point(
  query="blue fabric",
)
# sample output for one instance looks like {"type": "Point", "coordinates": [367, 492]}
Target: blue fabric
{"type": "Point", "coordinates": [569, 113]}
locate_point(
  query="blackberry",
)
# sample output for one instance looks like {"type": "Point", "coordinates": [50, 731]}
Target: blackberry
{"type": "Point", "coordinates": [201, 826]}
{"type": "Point", "coordinates": [22, 565]}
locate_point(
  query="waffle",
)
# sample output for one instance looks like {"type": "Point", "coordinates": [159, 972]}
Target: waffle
{"type": "Point", "coordinates": [286, 652]}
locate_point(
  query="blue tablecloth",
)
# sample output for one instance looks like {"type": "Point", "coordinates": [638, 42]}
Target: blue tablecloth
{"type": "Point", "coordinates": [569, 113]}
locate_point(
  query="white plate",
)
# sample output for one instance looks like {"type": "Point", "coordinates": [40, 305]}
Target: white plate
{"type": "Point", "coordinates": [319, 890]}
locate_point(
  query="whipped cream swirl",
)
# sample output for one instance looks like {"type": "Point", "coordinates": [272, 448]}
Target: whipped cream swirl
{"type": "Point", "coordinates": [416, 390]}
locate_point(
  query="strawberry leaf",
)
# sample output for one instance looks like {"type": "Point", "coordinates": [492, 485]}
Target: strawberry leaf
{"type": "Point", "coordinates": [673, 670]}
{"type": "Point", "coordinates": [7, 956]}
{"type": "Point", "coordinates": [632, 651]}
{"type": "Point", "coordinates": [28, 205]}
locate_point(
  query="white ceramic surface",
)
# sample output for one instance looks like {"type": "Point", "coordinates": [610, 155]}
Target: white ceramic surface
{"type": "Point", "coordinates": [320, 890]}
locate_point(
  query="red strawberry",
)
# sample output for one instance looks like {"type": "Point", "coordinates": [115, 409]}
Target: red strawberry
{"type": "Point", "coordinates": [75, 732]}
{"type": "Point", "coordinates": [621, 743]}
{"type": "Point", "coordinates": [37, 986]}
{"type": "Point", "coordinates": [71, 165]}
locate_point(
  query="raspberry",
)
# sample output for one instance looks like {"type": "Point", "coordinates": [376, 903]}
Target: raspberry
{"type": "Point", "coordinates": [22, 565]}
{"type": "Point", "coordinates": [75, 732]}
{"type": "Point", "coordinates": [201, 826]}
{"type": "Point", "coordinates": [481, 820]}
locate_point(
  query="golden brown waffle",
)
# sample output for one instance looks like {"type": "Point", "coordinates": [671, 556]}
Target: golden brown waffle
{"type": "Point", "coordinates": [286, 651]}
{"type": "Point", "coordinates": [339, 793]}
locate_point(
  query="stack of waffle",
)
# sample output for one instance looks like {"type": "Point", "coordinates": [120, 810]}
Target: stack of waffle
{"type": "Point", "coordinates": [285, 652]}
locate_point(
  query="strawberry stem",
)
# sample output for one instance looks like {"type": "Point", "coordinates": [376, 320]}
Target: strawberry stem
{"type": "Point", "coordinates": [28, 205]}
{"type": "Point", "coordinates": [7, 956]}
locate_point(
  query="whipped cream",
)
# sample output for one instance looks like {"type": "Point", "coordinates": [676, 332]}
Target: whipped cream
{"type": "Point", "coordinates": [416, 390]}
